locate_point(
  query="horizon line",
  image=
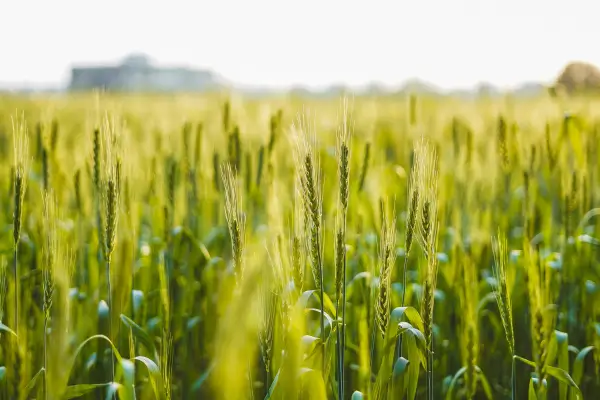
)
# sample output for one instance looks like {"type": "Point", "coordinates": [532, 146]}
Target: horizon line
{"type": "Point", "coordinates": [421, 82]}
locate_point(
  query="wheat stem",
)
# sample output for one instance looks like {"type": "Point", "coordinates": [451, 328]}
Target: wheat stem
{"type": "Point", "coordinates": [45, 382]}
{"type": "Point", "coordinates": [16, 294]}
{"type": "Point", "coordinates": [513, 378]}
{"type": "Point", "coordinates": [404, 280]}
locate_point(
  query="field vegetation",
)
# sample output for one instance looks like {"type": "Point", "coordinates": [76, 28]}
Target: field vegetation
{"type": "Point", "coordinates": [212, 247]}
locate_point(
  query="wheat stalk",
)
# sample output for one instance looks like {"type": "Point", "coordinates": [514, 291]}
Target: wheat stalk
{"type": "Point", "coordinates": [21, 171]}
{"type": "Point", "coordinates": [45, 169]}
{"type": "Point", "coordinates": [3, 286]}
{"type": "Point", "coordinates": [386, 261]}
{"type": "Point", "coordinates": [414, 207]}
{"type": "Point", "coordinates": [260, 165]}
{"type": "Point", "coordinates": [50, 249]}
{"type": "Point", "coordinates": [469, 339]}
{"type": "Point", "coordinates": [542, 320]}
{"type": "Point", "coordinates": [110, 187]}
{"type": "Point", "coordinates": [111, 196]}
{"type": "Point", "coordinates": [226, 116]}
{"type": "Point", "coordinates": [428, 232]}
{"type": "Point", "coordinates": [236, 220]}
{"type": "Point", "coordinates": [98, 191]}
{"type": "Point", "coordinates": [501, 292]}
{"type": "Point", "coordinates": [234, 150]}
{"type": "Point", "coordinates": [166, 362]}
{"type": "Point", "coordinates": [365, 166]}
{"type": "Point", "coordinates": [412, 215]}
{"type": "Point", "coordinates": [266, 334]}
{"type": "Point", "coordinates": [343, 154]}
{"type": "Point", "coordinates": [502, 145]}
{"type": "Point", "coordinates": [298, 261]}
{"type": "Point", "coordinates": [54, 135]}
{"type": "Point", "coordinates": [309, 178]}
{"type": "Point", "coordinates": [343, 149]}
{"type": "Point", "coordinates": [216, 172]}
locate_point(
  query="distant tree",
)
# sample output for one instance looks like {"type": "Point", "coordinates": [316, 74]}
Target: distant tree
{"type": "Point", "coordinates": [577, 77]}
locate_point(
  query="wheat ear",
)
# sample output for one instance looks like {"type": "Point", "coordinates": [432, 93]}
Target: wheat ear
{"type": "Point", "coordinates": [501, 292]}
{"type": "Point", "coordinates": [235, 218]}
{"type": "Point", "coordinates": [386, 260]}
{"type": "Point", "coordinates": [309, 178]}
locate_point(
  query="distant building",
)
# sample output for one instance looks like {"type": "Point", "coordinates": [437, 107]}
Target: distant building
{"type": "Point", "coordinates": [137, 73]}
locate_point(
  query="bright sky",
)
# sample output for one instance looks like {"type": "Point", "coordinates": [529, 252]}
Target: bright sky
{"type": "Point", "coordinates": [452, 43]}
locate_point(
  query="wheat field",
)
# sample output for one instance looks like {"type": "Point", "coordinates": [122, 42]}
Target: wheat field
{"type": "Point", "coordinates": [222, 247]}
